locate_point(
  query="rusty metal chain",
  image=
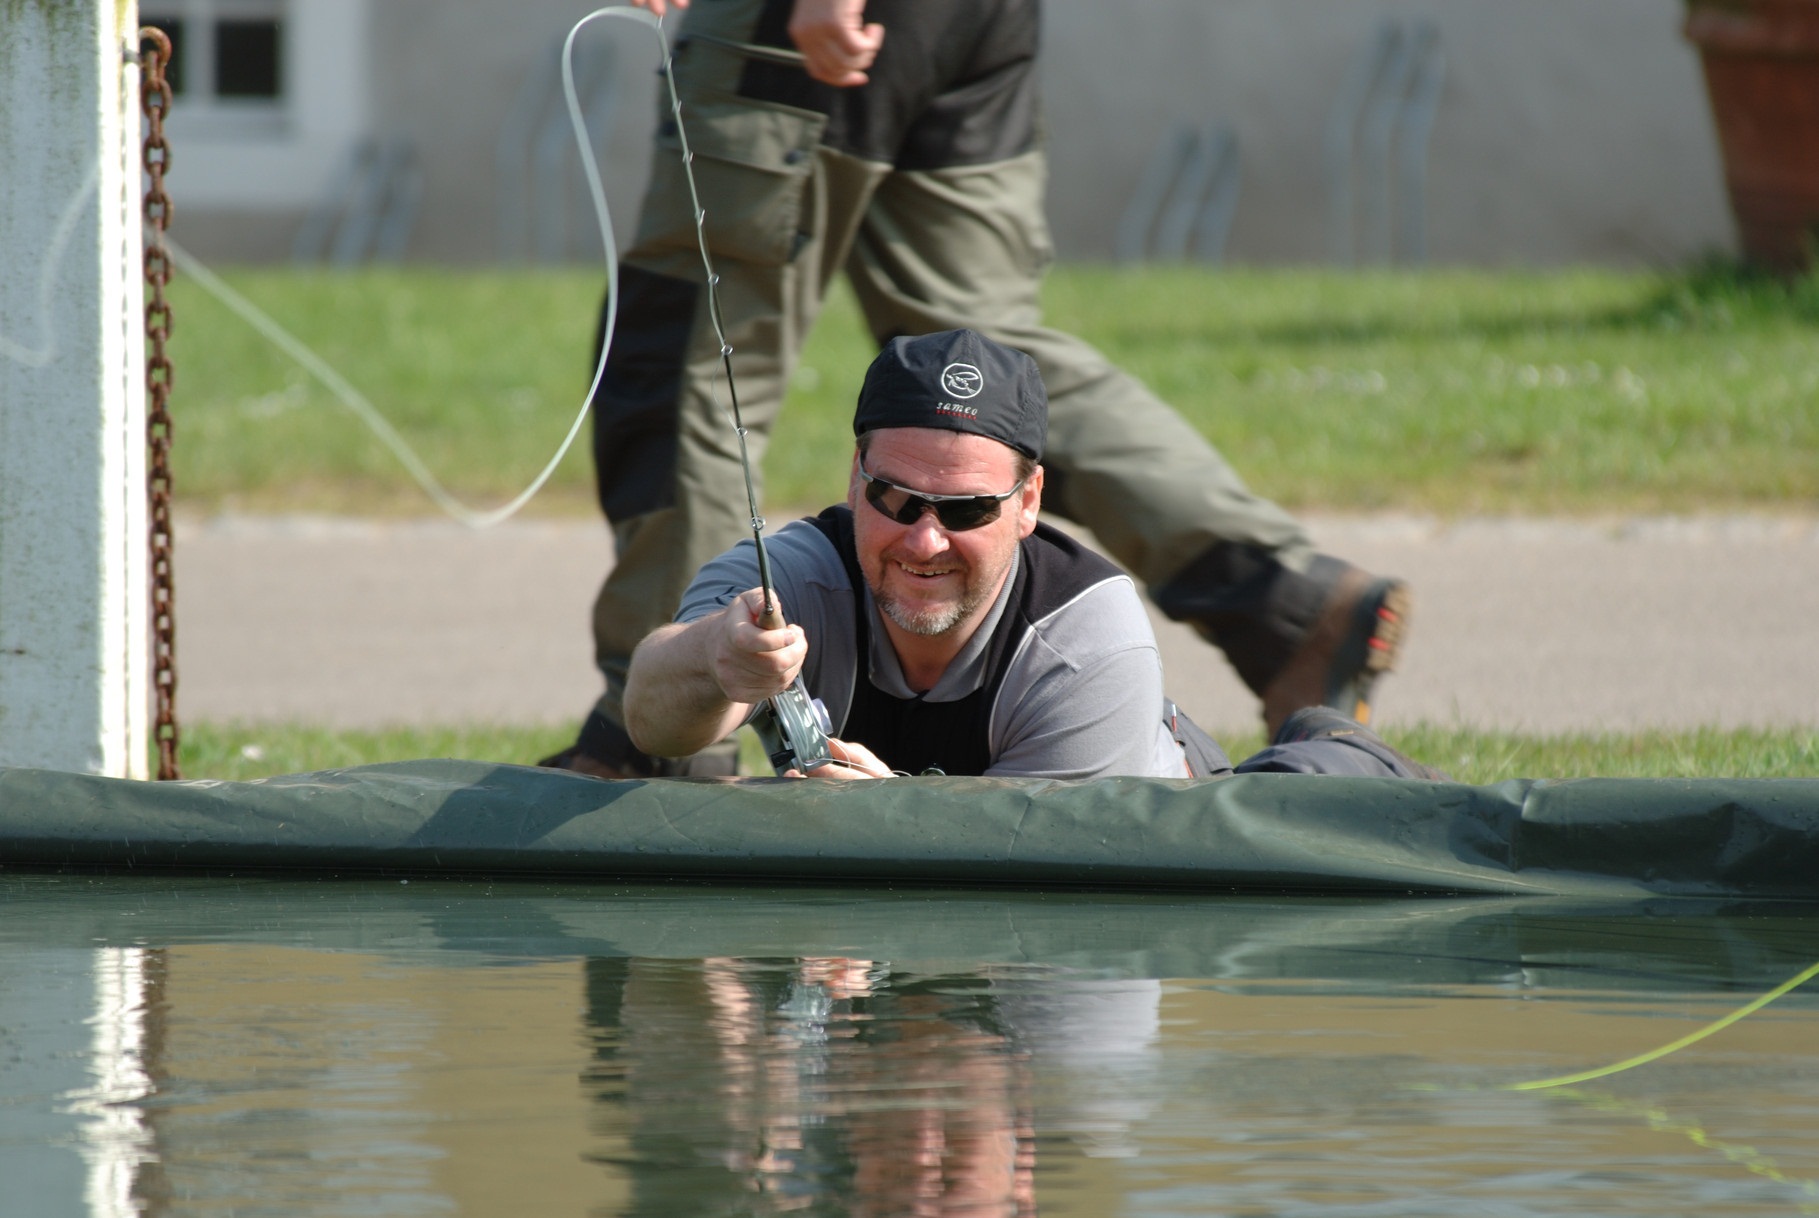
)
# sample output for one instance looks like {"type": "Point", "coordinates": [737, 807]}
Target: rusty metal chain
{"type": "Point", "coordinates": [155, 103]}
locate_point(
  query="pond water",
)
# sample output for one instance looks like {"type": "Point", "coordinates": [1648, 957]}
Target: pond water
{"type": "Point", "coordinates": [289, 1047]}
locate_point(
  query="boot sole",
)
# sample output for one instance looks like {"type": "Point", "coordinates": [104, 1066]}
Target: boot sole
{"type": "Point", "coordinates": [1380, 626]}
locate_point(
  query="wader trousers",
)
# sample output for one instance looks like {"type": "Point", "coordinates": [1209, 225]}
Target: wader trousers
{"type": "Point", "coordinates": [925, 249]}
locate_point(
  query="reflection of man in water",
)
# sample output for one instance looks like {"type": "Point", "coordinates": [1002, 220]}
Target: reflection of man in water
{"type": "Point", "coordinates": [820, 1085]}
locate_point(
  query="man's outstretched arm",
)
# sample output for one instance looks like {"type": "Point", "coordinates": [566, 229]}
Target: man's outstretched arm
{"type": "Point", "coordinates": [693, 683]}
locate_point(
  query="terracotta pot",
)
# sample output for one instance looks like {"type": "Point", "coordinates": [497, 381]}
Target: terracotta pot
{"type": "Point", "coordinates": [1761, 60]}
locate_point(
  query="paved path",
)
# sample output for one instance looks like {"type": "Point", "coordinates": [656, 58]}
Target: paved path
{"type": "Point", "coordinates": [1536, 625]}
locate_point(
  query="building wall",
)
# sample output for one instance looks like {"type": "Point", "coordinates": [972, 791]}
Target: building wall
{"type": "Point", "coordinates": [1569, 131]}
{"type": "Point", "coordinates": [456, 116]}
{"type": "Point", "coordinates": [243, 176]}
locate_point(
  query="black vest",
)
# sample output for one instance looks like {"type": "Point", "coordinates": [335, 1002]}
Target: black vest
{"type": "Point", "coordinates": [913, 735]}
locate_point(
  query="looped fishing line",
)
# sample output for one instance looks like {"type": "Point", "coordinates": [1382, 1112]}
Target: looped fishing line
{"type": "Point", "coordinates": [1748, 1157]}
{"type": "Point", "coordinates": [1692, 1038]}
{"type": "Point", "coordinates": [357, 402]}
{"type": "Point", "coordinates": [1642, 1059]}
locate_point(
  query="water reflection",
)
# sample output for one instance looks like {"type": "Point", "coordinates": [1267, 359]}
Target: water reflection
{"type": "Point", "coordinates": [207, 1047]}
{"type": "Point", "coordinates": [117, 1143]}
{"type": "Point", "coordinates": [819, 1085]}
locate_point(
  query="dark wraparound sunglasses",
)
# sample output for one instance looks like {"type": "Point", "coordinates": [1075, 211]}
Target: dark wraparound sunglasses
{"type": "Point", "coordinates": [957, 513]}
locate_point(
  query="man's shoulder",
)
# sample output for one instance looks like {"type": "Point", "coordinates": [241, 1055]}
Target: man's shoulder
{"type": "Point", "coordinates": [1083, 693]}
{"type": "Point", "coordinates": [802, 559]}
{"type": "Point", "coordinates": [834, 524]}
{"type": "Point", "coordinates": [1098, 617]}
{"type": "Point", "coordinates": [809, 541]}
{"type": "Point", "coordinates": [805, 559]}
{"type": "Point", "coordinates": [1064, 576]}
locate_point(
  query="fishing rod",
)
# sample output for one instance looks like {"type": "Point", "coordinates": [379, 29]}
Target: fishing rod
{"type": "Point", "coordinates": [792, 726]}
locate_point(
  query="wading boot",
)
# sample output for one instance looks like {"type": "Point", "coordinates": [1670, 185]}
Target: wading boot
{"type": "Point", "coordinates": [1354, 641]}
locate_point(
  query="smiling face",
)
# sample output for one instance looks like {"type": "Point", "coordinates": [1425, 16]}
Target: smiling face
{"type": "Point", "coordinates": [933, 582]}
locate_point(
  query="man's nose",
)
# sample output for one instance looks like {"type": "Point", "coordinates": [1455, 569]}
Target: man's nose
{"type": "Point", "coordinates": [925, 537]}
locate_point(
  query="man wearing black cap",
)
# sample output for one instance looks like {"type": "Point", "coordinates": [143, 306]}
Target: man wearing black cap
{"type": "Point", "coordinates": [899, 142]}
{"type": "Point", "coordinates": [944, 628]}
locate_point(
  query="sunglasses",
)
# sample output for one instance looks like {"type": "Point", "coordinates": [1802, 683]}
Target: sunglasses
{"type": "Point", "coordinates": [957, 513]}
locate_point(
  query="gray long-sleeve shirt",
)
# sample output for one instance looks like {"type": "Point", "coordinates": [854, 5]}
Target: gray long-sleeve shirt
{"type": "Point", "coordinates": [1082, 697]}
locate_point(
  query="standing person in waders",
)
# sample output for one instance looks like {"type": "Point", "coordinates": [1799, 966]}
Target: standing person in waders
{"type": "Point", "coordinates": [899, 141]}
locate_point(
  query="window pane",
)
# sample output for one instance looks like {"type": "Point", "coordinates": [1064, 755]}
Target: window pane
{"type": "Point", "coordinates": [173, 28]}
{"type": "Point", "coordinates": [246, 59]}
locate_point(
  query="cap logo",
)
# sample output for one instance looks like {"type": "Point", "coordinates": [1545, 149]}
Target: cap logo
{"type": "Point", "coordinates": [962, 380]}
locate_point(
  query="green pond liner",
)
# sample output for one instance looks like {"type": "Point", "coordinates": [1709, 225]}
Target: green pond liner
{"type": "Point", "coordinates": [1756, 838]}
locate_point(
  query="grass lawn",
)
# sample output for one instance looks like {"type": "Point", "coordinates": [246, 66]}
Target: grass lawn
{"type": "Point", "coordinates": [241, 751]}
{"type": "Point", "coordinates": [1453, 392]}
{"type": "Point", "coordinates": [1448, 391]}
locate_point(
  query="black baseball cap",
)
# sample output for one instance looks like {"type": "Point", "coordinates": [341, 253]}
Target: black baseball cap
{"type": "Point", "coordinates": [957, 380]}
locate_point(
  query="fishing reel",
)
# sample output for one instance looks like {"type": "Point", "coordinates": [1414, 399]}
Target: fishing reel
{"type": "Point", "coordinates": [794, 728]}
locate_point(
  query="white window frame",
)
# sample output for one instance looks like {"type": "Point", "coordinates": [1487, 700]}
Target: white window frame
{"type": "Point", "coordinates": [199, 109]}
{"type": "Point", "coordinates": [270, 154]}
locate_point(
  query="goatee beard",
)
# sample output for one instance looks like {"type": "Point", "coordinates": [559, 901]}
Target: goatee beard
{"type": "Point", "coordinates": [935, 620]}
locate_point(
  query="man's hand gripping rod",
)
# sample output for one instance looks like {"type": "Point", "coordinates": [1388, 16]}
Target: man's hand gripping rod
{"type": "Point", "coordinates": [792, 725]}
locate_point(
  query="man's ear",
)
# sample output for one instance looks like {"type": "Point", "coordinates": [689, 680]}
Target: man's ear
{"type": "Point", "coordinates": [1029, 504]}
{"type": "Point", "coordinates": [854, 486]}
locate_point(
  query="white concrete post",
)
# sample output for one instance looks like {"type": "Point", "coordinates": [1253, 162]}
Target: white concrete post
{"type": "Point", "coordinates": [74, 660]}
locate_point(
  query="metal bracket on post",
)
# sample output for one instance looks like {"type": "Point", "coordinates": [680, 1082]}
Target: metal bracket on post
{"type": "Point", "coordinates": [1378, 131]}
{"type": "Point", "coordinates": [1184, 202]}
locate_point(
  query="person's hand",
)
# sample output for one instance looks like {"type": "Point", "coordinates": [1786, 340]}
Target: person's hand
{"type": "Point", "coordinates": [850, 761]}
{"type": "Point", "coordinates": [834, 39]}
{"type": "Point", "coordinates": [750, 662]}
{"type": "Point", "coordinates": [659, 7]}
